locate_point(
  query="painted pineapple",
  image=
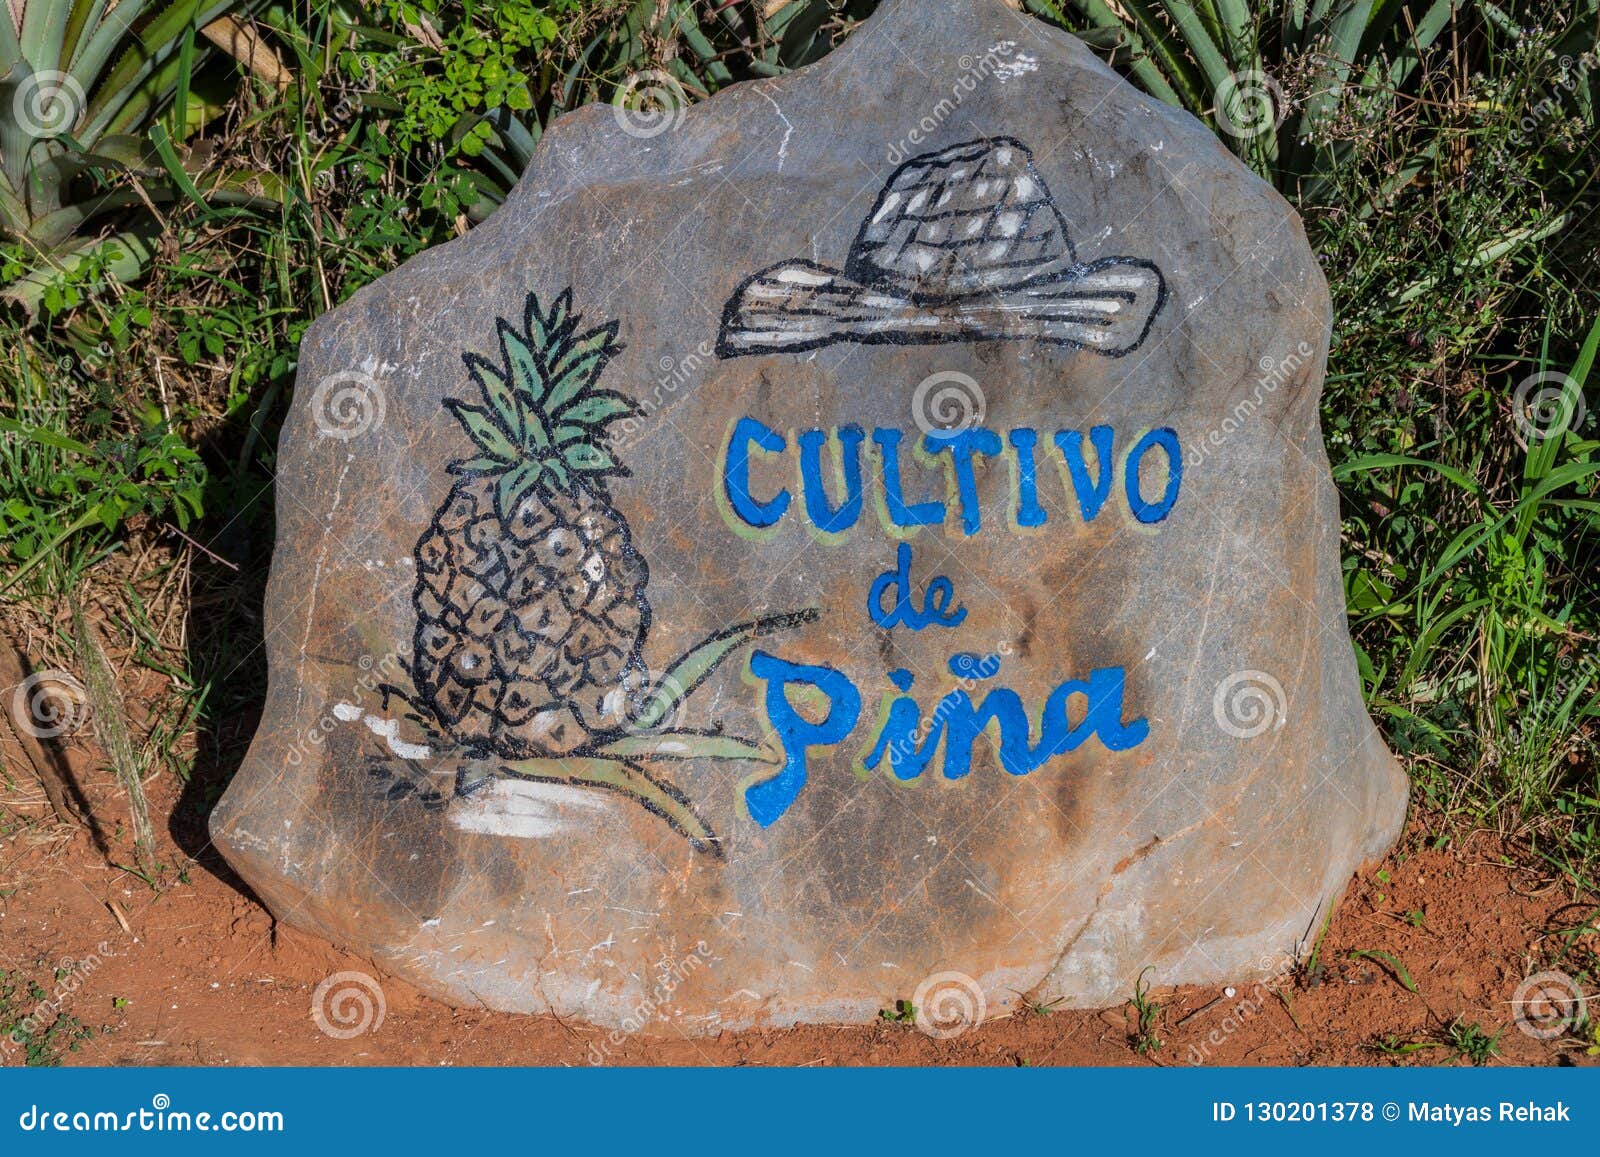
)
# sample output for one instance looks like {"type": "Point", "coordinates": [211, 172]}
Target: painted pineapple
{"type": "Point", "coordinates": [530, 595]}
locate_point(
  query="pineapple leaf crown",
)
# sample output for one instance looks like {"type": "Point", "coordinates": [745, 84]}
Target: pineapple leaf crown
{"type": "Point", "coordinates": [543, 423]}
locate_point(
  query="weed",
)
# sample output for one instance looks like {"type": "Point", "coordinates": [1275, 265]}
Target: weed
{"type": "Point", "coordinates": [903, 1012]}
{"type": "Point", "coordinates": [1314, 967]}
{"type": "Point", "coordinates": [1470, 1042]}
{"type": "Point", "coordinates": [1390, 1045]}
{"type": "Point", "coordinates": [29, 1022]}
{"type": "Point", "coordinates": [1390, 961]}
{"type": "Point", "coordinates": [1146, 1012]}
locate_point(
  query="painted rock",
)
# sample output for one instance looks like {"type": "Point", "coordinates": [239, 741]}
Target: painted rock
{"type": "Point", "coordinates": [864, 538]}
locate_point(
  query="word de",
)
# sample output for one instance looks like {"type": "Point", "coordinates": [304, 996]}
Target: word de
{"type": "Point", "coordinates": [935, 612]}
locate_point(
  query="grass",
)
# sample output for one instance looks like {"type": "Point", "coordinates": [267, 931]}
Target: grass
{"type": "Point", "coordinates": [1390, 961]}
{"type": "Point", "coordinates": [1146, 1013]}
{"type": "Point", "coordinates": [1464, 1040]}
{"type": "Point", "coordinates": [1469, 1042]}
{"type": "Point", "coordinates": [138, 419]}
{"type": "Point", "coordinates": [29, 1023]}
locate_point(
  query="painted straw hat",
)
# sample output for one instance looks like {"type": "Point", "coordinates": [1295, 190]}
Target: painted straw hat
{"type": "Point", "coordinates": [963, 244]}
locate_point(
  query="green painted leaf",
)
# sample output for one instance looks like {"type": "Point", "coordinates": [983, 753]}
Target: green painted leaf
{"type": "Point", "coordinates": [619, 775]}
{"type": "Point", "coordinates": [482, 428]}
{"type": "Point", "coordinates": [558, 471]}
{"type": "Point", "coordinates": [588, 457]}
{"type": "Point", "coordinates": [480, 465]}
{"type": "Point", "coordinates": [580, 367]}
{"type": "Point", "coordinates": [565, 434]}
{"type": "Point", "coordinates": [597, 408]}
{"type": "Point", "coordinates": [515, 487]}
{"type": "Point", "coordinates": [527, 378]}
{"type": "Point", "coordinates": [686, 745]}
{"type": "Point", "coordinates": [559, 315]}
{"type": "Point", "coordinates": [496, 392]}
{"type": "Point", "coordinates": [533, 322]}
{"type": "Point", "coordinates": [694, 668]}
{"type": "Point", "coordinates": [535, 433]}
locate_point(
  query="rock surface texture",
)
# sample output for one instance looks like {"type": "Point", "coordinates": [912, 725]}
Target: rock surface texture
{"type": "Point", "coordinates": [867, 537]}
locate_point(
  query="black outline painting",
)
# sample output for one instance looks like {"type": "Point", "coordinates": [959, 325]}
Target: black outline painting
{"type": "Point", "coordinates": [963, 244]}
{"type": "Point", "coordinates": [532, 612]}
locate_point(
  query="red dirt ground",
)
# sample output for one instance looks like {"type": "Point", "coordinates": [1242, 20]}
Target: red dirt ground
{"type": "Point", "coordinates": [198, 973]}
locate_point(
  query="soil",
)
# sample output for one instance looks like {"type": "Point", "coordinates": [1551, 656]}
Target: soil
{"type": "Point", "coordinates": [196, 972]}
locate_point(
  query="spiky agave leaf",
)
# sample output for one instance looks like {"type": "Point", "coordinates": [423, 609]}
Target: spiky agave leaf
{"type": "Point", "coordinates": [543, 425]}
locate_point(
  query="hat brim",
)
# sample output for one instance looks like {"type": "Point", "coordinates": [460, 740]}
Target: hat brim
{"type": "Point", "coordinates": [1106, 306]}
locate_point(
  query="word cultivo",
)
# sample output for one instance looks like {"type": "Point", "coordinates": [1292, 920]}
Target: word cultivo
{"type": "Point", "coordinates": [831, 473]}
{"type": "Point", "coordinates": [1091, 470]}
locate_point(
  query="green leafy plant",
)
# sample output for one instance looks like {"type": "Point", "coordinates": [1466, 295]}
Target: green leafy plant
{"type": "Point", "coordinates": [26, 1021]}
{"type": "Point", "coordinates": [61, 492]}
{"type": "Point", "coordinates": [473, 84]}
{"type": "Point", "coordinates": [1494, 607]}
{"type": "Point", "coordinates": [903, 1012]}
{"type": "Point", "coordinates": [1146, 1013]}
{"type": "Point", "coordinates": [1470, 1042]}
{"type": "Point", "coordinates": [1390, 961]}
{"type": "Point", "coordinates": [82, 84]}
{"type": "Point", "coordinates": [1272, 83]}
{"type": "Point", "coordinates": [1391, 1045]}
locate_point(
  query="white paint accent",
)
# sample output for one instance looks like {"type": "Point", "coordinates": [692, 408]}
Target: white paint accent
{"type": "Point", "coordinates": [796, 276]}
{"type": "Point", "coordinates": [1010, 69]}
{"type": "Point", "coordinates": [389, 729]}
{"type": "Point", "coordinates": [522, 809]}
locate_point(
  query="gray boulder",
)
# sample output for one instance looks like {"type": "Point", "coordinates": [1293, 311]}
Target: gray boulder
{"type": "Point", "coordinates": [866, 538]}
